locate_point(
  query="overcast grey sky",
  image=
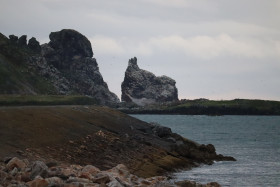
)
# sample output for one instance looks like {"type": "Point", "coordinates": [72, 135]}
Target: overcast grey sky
{"type": "Point", "coordinates": [215, 49]}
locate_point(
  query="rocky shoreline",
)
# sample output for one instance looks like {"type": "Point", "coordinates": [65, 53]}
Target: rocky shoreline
{"type": "Point", "coordinates": [15, 172]}
{"type": "Point", "coordinates": [98, 136]}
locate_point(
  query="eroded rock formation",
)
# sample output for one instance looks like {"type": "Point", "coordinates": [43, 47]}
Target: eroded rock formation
{"type": "Point", "coordinates": [63, 66]}
{"type": "Point", "coordinates": [143, 87]}
{"type": "Point", "coordinates": [70, 52]}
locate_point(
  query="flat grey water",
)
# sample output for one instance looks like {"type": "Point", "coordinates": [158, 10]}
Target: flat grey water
{"type": "Point", "coordinates": [253, 140]}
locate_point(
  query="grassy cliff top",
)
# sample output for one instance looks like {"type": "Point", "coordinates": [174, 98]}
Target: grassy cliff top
{"type": "Point", "coordinates": [21, 100]}
{"type": "Point", "coordinates": [211, 107]}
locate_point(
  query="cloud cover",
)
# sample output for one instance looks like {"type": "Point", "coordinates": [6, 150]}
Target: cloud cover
{"type": "Point", "coordinates": [213, 49]}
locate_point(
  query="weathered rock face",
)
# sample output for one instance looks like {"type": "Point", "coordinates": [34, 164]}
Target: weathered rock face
{"type": "Point", "coordinates": [70, 52]}
{"type": "Point", "coordinates": [143, 87]}
{"type": "Point", "coordinates": [34, 45]}
{"type": "Point", "coordinates": [68, 45]}
{"type": "Point", "coordinates": [63, 66]}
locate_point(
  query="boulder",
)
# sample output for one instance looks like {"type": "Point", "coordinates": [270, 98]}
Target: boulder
{"type": "Point", "coordinates": [143, 87]}
{"type": "Point", "coordinates": [161, 131]}
{"type": "Point", "coordinates": [39, 168]}
{"type": "Point", "coordinates": [91, 169]}
{"type": "Point", "coordinates": [38, 182]}
{"type": "Point", "coordinates": [101, 178]}
{"type": "Point", "coordinates": [54, 181]}
{"type": "Point", "coordinates": [15, 163]}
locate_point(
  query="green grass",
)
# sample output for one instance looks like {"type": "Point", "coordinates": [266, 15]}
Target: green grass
{"type": "Point", "coordinates": [212, 107]}
{"type": "Point", "coordinates": [20, 100]}
{"type": "Point", "coordinates": [259, 104]}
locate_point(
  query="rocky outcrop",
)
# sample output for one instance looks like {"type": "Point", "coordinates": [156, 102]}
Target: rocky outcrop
{"type": "Point", "coordinates": [70, 52]}
{"type": "Point", "coordinates": [34, 45]}
{"type": "Point", "coordinates": [143, 87]}
{"type": "Point", "coordinates": [64, 66]}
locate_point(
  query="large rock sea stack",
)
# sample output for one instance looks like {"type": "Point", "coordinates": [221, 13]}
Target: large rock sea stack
{"type": "Point", "coordinates": [71, 53]}
{"type": "Point", "coordinates": [143, 87]}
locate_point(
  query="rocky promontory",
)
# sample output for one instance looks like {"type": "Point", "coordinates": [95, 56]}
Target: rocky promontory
{"type": "Point", "coordinates": [98, 136]}
{"type": "Point", "coordinates": [64, 66]}
{"type": "Point", "coordinates": [143, 87]}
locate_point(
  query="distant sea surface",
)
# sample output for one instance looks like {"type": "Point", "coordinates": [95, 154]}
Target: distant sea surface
{"type": "Point", "coordinates": [253, 140]}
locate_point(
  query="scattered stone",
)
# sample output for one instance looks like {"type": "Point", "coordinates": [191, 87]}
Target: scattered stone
{"type": "Point", "coordinates": [51, 164]}
{"type": "Point", "coordinates": [39, 168]}
{"type": "Point", "coordinates": [101, 179]}
{"type": "Point", "coordinates": [77, 179]}
{"type": "Point", "coordinates": [38, 182]}
{"type": "Point", "coordinates": [54, 181]}
{"type": "Point", "coordinates": [90, 169]}
{"type": "Point", "coordinates": [25, 177]}
{"type": "Point", "coordinates": [3, 176]}
{"type": "Point", "coordinates": [14, 171]}
{"type": "Point", "coordinates": [87, 176]}
{"type": "Point", "coordinates": [15, 162]}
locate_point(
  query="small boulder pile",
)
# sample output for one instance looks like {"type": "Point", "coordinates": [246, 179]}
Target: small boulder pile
{"type": "Point", "coordinates": [15, 172]}
{"type": "Point", "coordinates": [22, 173]}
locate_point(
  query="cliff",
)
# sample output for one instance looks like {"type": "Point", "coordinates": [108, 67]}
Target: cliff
{"type": "Point", "coordinates": [143, 87]}
{"type": "Point", "coordinates": [63, 66]}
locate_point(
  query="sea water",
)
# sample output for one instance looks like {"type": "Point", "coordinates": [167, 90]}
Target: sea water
{"type": "Point", "coordinates": [253, 140]}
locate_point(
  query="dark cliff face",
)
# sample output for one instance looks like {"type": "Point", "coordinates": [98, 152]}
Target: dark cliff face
{"type": "Point", "coordinates": [68, 45]}
{"type": "Point", "coordinates": [71, 53]}
{"type": "Point", "coordinates": [143, 87]}
{"type": "Point", "coordinates": [65, 63]}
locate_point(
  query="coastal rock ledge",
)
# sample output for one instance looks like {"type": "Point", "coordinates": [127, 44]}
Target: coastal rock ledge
{"type": "Point", "coordinates": [143, 87]}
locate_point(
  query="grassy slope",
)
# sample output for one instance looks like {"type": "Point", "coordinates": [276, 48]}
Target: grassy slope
{"type": "Point", "coordinates": [84, 135]}
{"type": "Point", "coordinates": [15, 77]}
{"type": "Point", "coordinates": [211, 107]}
{"type": "Point", "coordinates": [19, 100]}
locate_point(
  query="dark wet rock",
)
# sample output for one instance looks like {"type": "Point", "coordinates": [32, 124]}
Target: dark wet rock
{"type": "Point", "coordinates": [34, 45]}
{"type": "Point", "coordinates": [210, 148]}
{"type": "Point", "coordinates": [143, 87]}
{"type": "Point", "coordinates": [161, 131]}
